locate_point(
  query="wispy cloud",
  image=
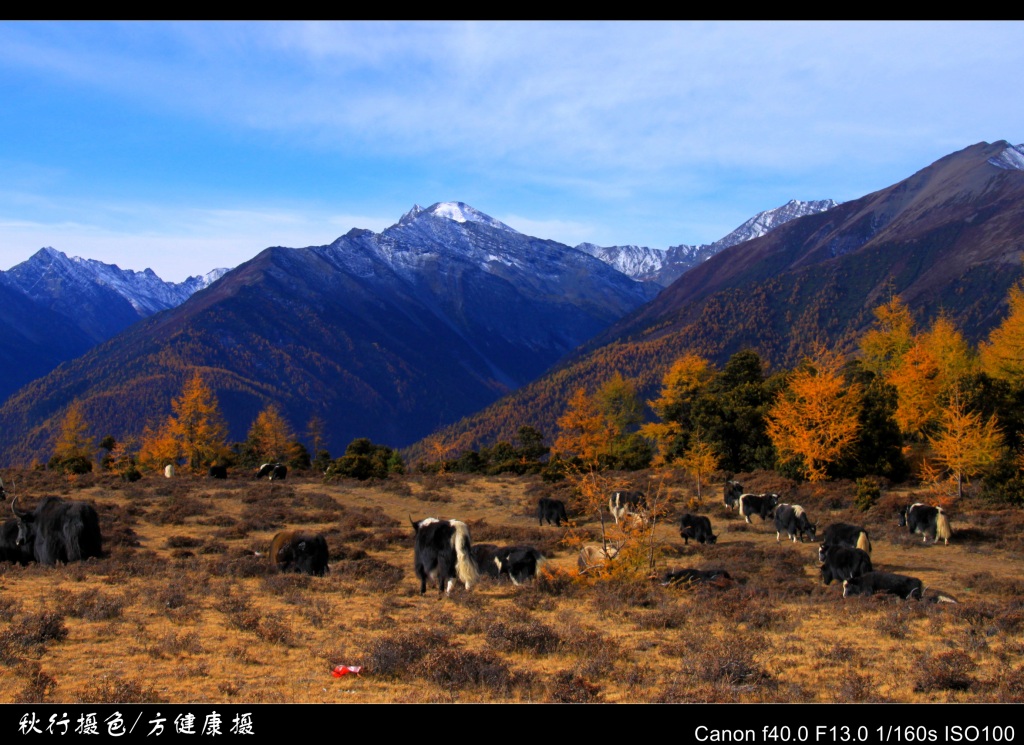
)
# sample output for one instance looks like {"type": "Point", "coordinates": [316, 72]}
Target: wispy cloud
{"type": "Point", "coordinates": [618, 127]}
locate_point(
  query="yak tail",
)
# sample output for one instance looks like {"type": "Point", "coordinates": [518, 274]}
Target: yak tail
{"type": "Point", "coordinates": [863, 542]}
{"type": "Point", "coordinates": [741, 507]}
{"type": "Point", "coordinates": [465, 567]}
{"type": "Point", "coordinates": [942, 529]}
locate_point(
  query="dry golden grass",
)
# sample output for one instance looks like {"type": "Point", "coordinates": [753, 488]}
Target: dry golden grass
{"type": "Point", "coordinates": [181, 611]}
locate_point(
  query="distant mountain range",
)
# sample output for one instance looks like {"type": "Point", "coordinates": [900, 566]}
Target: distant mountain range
{"type": "Point", "coordinates": [665, 265]}
{"type": "Point", "coordinates": [946, 239]}
{"type": "Point", "coordinates": [385, 335]}
{"type": "Point", "coordinates": [65, 305]}
{"type": "Point", "coordinates": [394, 333]}
{"type": "Point", "coordinates": [451, 316]}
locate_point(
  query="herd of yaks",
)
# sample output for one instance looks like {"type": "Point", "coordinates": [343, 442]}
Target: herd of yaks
{"type": "Point", "coordinates": [845, 550]}
{"type": "Point", "coordinates": [61, 531]}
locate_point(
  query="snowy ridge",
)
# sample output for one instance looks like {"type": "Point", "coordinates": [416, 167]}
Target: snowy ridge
{"type": "Point", "coordinates": [765, 222]}
{"type": "Point", "coordinates": [1011, 159]}
{"type": "Point", "coordinates": [665, 265]}
{"type": "Point", "coordinates": [50, 271]}
{"type": "Point", "coordinates": [633, 261]}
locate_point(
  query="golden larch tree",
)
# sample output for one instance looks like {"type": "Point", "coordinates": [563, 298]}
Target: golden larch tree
{"type": "Point", "coordinates": [270, 437]}
{"type": "Point", "coordinates": [888, 340]}
{"type": "Point", "coordinates": [953, 354]}
{"type": "Point", "coordinates": [74, 448]}
{"type": "Point", "coordinates": [596, 427]}
{"type": "Point", "coordinates": [1002, 356]}
{"type": "Point", "coordinates": [198, 425]}
{"type": "Point", "coordinates": [815, 418]}
{"type": "Point", "coordinates": [315, 432]}
{"type": "Point", "coordinates": [581, 430]}
{"type": "Point", "coordinates": [699, 461]}
{"type": "Point", "coordinates": [965, 443]}
{"type": "Point", "coordinates": [195, 430]}
{"type": "Point", "coordinates": [918, 385]}
{"type": "Point", "coordinates": [123, 460]}
{"type": "Point", "coordinates": [158, 447]}
{"type": "Point", "coordinates": [686, 378]}
{"type": "Point", "coordinates": [927, 373]}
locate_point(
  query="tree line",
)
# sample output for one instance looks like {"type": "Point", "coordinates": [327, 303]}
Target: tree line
{"type": "Point", "coordinates": [913, 403]}
{"type": "Point", "coordinates": [194, 436]}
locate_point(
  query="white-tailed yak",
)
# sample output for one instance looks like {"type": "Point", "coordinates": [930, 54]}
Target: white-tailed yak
{"type": "Point", "coordinates": [930, 522]}
{"type": "Point", "coordinates": [443, 554]}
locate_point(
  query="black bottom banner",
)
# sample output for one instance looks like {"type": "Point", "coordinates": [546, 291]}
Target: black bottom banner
{"type": "Point", "coordinates": [758, 724]}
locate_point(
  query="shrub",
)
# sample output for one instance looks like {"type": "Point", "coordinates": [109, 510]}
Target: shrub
{"type": "Point", "coordinates": [378, 575]}
{"type": "Point", "coordinates": [364, 460]}
{"type": "Point", "coordinates": [240, 612]}
{"type": "Point", "coordinates": [35, 630]}
{"type": "Point", "coordinates": [118, 690]}
{"type": "Point", "coordinates": [556, 582]}
{"type": "Point", "coordinates": [175, 644]}
{"type": "Point", "coordinates": [8, 607]}
{"type": "Point", "coordinates": [39, 686]}
{"type": "Point", "coordinates": [393, 656]}
{"type": "Point", "coordinates": [177, 509]}
{"type": "Point", "coordinates": [523, 636]}
{"type": "Point", "coordinates": [183, 541]}
{"type": "Point", "coordinates": [1011, 686]}
{"type": "Point", "coordinates": [91, 605]}
{"type": "Point", "coordinates": [272, 628]}
{"type": "Point", "coordinates": [569, 687]}
{"type": "Point", "coordinates": [456, 669]}
{"type": "Point", "coordinates": [947, 671]}
{"type": "Point", "coordinates": [868, 492]}
{"type": "Point", "coordinates": [894, 623]}
{"type": "Point", "coordinates": [727, 661]}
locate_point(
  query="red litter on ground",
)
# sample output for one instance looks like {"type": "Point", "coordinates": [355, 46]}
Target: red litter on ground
{"type": "Point", "coordinates": [340, 670]}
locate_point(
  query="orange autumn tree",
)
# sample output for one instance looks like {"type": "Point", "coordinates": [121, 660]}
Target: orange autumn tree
{"type": "Point", "coordinates": [685, 380]}
{"type": "Point", "coordinates": [814, 421]}
{"type": "Point", "coordinates": [195, 430]}
{"type": "Point", "coordinates": [601, 429]}
{"type": "Point", "coordinates": [917, 384]}
{"type": "Point", "coordinates": [597, 432]}
{"type": "Point", "coordinates": [965, 443]}
{"type": "Point", "coordinates": [74, 448]}
{"type": "Point", "coordinates": [1002, 355]}
{"type": "Point", "coordinates": [270, 438]}
{"type": "Point", "coordinates": [884, 345]}
{"type": "Point", "coordinates": [929, 370]}
{"type": "Point", "coordinates": [699, 461]}
{"type": "Point", "coordinates": [158, 447]}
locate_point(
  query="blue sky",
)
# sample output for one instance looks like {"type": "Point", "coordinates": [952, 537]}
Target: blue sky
{"type": "Point", "coordinates": [188, 146]}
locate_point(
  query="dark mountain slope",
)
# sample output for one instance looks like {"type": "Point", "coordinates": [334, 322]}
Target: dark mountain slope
{"type": "Point", "coordinates": [33, 340]}
{"type": "Point", "coordinates": [65, 305]}
{"type": "Point", "coordinates": [947, 238]}
{"type": "Point", "coordinates": [386, 336]}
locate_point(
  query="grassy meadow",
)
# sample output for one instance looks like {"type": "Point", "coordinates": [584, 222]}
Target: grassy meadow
{"type": "Point", "coordinates": [181, 610]}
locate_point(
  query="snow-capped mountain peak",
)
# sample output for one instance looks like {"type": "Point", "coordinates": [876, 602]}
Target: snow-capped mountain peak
{"type": "Point", "coordinates": [456, 212]}
{"type": "Point", "coordinates": [1012, 158]}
